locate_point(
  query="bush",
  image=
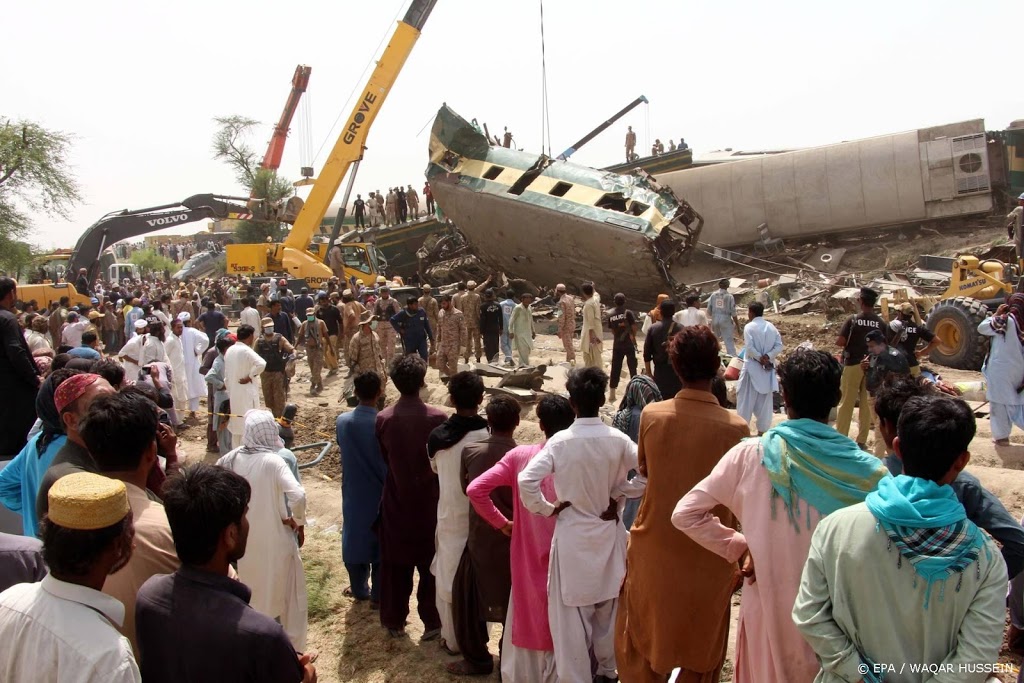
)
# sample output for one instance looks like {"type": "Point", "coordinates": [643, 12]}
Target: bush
{"type": "Point", "coordinates": [149, 261]}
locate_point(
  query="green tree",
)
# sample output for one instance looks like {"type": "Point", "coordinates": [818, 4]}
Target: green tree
{"type": "Point", "coordinates": [15, 257]}
{"type": "Point", "coordinates": [149, 261]}
{"type": "Point", "coordinates": [35, 175]}
{"type": "Point", "coordinates": [230, 146]}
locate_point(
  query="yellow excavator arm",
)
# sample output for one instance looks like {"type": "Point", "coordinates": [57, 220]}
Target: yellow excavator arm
{"type": "Point", "coordinates": [294, 253]}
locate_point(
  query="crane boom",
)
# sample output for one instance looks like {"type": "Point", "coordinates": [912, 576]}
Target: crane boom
{"type": "Point", "coordinates": [600, 129]}
{"type": "Point", "coordinates": [348, 150]}
{"type": "Point", "coordinates": [275, 150]}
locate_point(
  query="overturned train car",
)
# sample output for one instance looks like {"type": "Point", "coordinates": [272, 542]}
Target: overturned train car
{"type": "Point", "coordinates": [920, 176]}
{"type": "Point", "coordinates": [550, 221]}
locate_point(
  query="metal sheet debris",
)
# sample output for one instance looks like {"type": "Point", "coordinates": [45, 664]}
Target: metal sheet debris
{"type": "Point", "coordinates": [827, 260]}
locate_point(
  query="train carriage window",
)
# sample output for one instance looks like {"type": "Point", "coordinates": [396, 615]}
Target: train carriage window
{"type": "Point", "coordinates": [450, 160]}
{"type": "Point", "coordinates": [493, 172]}
{"type": "Point", "coordinates": [560, 189]}
{"type": "Point", "coordinates": [612, 202]}
{"type": "Point", "coordinates": [638, 208]}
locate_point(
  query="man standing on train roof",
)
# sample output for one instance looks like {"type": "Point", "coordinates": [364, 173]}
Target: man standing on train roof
{"type": "Point", "coordinates": [359, 211]}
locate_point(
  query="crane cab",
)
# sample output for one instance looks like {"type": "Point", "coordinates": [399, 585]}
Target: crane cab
{"type": "Point", "coordinates": [361, 261]}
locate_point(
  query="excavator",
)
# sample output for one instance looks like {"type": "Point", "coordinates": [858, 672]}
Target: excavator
{"type": "Point", "coordinates": [124, 224]}
{"type": "Point", "coordinates": [301, 256]}
{"type": "Point", "coordinates": [976, 289]}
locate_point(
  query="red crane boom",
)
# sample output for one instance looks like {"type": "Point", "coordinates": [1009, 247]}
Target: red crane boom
{"type": "Point", "coordinates": [275, 150]}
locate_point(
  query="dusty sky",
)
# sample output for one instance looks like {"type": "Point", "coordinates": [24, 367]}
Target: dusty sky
{"type": "Point", "coordinates": [139, 84]}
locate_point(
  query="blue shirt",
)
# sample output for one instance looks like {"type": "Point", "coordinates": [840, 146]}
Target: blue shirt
{"type": "Point", "coordinates": [413, 328]}
{"type": "Point", "coordinates": [507, 307]}
{"type": "Point", "coordinates": [362, 486]}
{"type": "Point", "coordinates": [19, 481]}
{"type": "Point", "coordinates": [302, 305]}
{"type": "Point", "coordinates": [85, 352]}
{"type": "Point", "coordinates": [283, 325]}
{"type": "Point", "coordinates": [129, 321]}
{"type": "Point", "coordinates": [215, 378]}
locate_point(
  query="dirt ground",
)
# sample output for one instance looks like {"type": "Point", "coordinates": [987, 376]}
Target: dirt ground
{"type": "Point", "coordinates": [351, 644]}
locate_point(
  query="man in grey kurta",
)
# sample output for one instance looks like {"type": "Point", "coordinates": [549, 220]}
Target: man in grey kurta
{"type": "Point", "coordinates": [520, 329]}
{"type": "Point", "coordinates": [722, 311]}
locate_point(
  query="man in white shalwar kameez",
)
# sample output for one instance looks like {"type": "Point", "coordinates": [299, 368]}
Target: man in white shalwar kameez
{"type": "Point", "coordinates": [193, 345]}
{"type": "Point", "coordinates": [758, 379]}
{"type": "Point", "coordinates": [130, 354]}
{"type": "Point", "coordinates": [1004, 368]}
{"type": "Point", "coordinates": [590, 462]}
{"type": "Point", "coordinates": [153, 348]}
{"type": "Point", "coordinates": [242, 370]}
{"type": "Point", "coordinates": [444, 447]}
{"type": "Point", "coordinates": [272, 567]}
{"type": "Point", "coordinates": [179, 382]}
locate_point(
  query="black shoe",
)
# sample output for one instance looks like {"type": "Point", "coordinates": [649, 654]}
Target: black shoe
{"type": "Point", "coordinates": [606, 679]}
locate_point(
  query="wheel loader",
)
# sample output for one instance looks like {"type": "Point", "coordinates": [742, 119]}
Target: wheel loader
{"type": "Point", "coordinates": [976, 289]}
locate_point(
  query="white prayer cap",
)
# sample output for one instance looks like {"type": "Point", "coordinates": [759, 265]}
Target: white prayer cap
{"type": "Point", "coordinates": [184, 316]}
{"type": "Point", "coordinates": [141, 324]}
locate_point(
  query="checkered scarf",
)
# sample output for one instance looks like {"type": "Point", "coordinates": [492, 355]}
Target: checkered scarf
{"type": "Point", "coordinates": [261, 433]}
{"type": "Point", "coordinates": [1015, 311]}
{"type": "Point", "coordinates": [929, 527]}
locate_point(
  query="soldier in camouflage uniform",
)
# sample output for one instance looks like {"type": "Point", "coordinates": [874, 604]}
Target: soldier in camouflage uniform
{"type": "Point", "coordinates": [385, 308]}
{"type": "Point", "coordinates": [566, 322]}
{"type": "Point", "coordinates": [451, 327]}
{"type": "Point", "coordinates": [429, 304]}
{"type": "Point", "coordinates": [364, 354]}
{"type": "Point", "coordinates": [314, 338]}
{"type": "Point", "coordinates": [457, 303]}
{"type": "Point", "coordinates": [351, 311]}
{"type": "Point", "coordinates": [470, 307]}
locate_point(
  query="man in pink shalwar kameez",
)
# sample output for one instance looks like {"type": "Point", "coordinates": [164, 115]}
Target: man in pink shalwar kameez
{"type": "Point", "coordinates": [779, 502]}
{"type": "Point", "coordinates": [528, 654]}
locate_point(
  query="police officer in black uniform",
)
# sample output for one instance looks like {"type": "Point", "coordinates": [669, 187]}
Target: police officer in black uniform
{"type": "Point", "coordinates": [852, 340]}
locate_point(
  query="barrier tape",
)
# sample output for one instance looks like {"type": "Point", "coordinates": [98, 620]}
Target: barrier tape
{"type": "Point", "coordinates": [296, 424]}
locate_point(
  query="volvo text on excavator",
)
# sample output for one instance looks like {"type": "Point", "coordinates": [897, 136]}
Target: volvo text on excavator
{"type": "Point", "coordinates": [124, 224]}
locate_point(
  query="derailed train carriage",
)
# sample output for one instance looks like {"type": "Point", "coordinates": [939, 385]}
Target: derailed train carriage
{"type": "Point", "coordinates": [548, 220]}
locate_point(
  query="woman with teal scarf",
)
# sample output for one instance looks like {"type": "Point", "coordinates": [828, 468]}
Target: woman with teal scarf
{"type": "Point", "coordinates": [868, 600]}
{"type": "Point", "coordinates": [809, 469]}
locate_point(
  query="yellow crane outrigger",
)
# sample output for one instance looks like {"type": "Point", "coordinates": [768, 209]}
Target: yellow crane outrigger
{"type": "Point", "coordinates": [294, 256]}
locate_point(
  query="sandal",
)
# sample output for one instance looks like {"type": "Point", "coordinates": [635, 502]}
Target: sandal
{"type": "Point", "coordinates": [447, 650]}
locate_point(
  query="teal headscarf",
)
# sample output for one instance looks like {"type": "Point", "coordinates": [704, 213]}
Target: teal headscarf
{"type": "Point", "coordinates": [808, 460]}
{"type": "Point", "coordinates": [929, 526]}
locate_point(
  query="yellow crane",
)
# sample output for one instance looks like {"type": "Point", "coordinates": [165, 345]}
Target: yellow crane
{"type": "Point", "coordinates": [298, 257]}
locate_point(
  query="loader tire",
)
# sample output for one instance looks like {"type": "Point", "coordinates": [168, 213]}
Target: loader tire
{"type": "Point", "coordinates": [955, 323]}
